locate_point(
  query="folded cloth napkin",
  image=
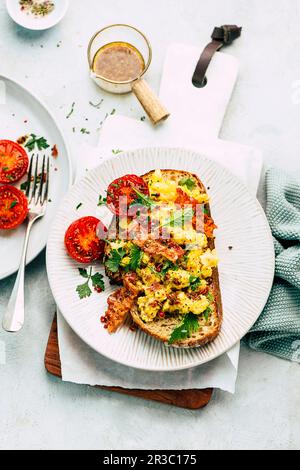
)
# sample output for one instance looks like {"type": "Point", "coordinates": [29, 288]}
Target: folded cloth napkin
{"type": "Point", "coordinates": [277, 330]}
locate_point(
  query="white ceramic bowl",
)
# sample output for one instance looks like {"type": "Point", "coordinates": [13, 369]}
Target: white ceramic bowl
{"type": "Point", "coordinates": [37, 23]}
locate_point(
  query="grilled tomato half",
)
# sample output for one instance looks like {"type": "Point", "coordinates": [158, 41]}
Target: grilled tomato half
{"type": "Point", "coordinates": [13, 162]}
{"type": "Point", "coordinates": [13, 207]}
{"type": "Point", "coordinates": [82, 242]}
{"type": "Point", "coordinates": [124, 191]}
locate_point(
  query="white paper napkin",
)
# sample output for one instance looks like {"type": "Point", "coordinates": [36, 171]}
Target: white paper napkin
{"type": "Point", "coordinates": [80, 364]}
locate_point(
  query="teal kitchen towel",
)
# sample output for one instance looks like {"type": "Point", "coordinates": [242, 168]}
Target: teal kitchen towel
{"type": "Point", "coordinates": [277, 331]}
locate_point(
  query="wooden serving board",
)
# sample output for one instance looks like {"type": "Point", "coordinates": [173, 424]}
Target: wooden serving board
{"type": "Point", "coordinates": [191, 399]}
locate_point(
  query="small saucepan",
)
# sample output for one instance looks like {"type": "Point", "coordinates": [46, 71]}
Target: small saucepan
{"type": "Point", "coordinates": [119, 56]}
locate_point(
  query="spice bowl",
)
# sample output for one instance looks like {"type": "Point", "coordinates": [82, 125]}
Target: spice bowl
{"type": "Point", "coordinates": [37, 15]}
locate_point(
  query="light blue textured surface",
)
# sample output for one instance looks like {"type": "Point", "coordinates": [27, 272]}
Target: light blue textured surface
{"type": "Point", "coordinates": [38, 411]}
{"type": "Point", "coordinates": [277, 330]}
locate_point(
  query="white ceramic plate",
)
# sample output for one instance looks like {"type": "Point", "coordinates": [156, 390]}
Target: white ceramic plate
{"type": "Point", "coordinates": [246, 271]}
{"type": "Point", "coordinates": [22, 113]}
{"type": "Point", "coordinates": [37, 23]}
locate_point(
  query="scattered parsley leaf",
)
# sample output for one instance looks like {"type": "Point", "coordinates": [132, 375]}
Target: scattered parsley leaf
{"type": "Point", "coordinates": [113, 111]}
{"type": "Point", "coordinates": [189, 183]}
{"type": "Point", "coordinates": [13, 204]}
{"type": "Point", "coordinates": [207, 313]}
{"type": "Point", "coordinates": [84, 290]}
{"type": "Point", "coordinates": [23, 186]}
{"type": "Point", "coordinates": [194, 282]}
{"type": "Point", "coordinates": [210, 297]}
{"type": "Point", "coordinates": [96, 105]}
{"type": "Point", "coordinates": [40, 142]}
{"type": "Point", "coordinates": [135, 258]}
{"type": "Point", "coordinates": [143, 118]}
{"type": "Point", "coordinates": [189, 326]}
{"type": "Point", "coordinates": [83, 272]}
{"type": "Point", "coordinates": [102, 201]}
{"type": "Point", "coordinates": [78, 205]}
{"type": "Point", "coordinates": [5, 168]}
{"type": "Point", "coordinates": [114, 260]}
{"type": "Point", "coordinates": [167, 266]}
{"type": "Point", "coordinates": [143, 199]}
{"type": "Point", "coordinates": [115, 152]}
{"type": "Point", "coordinates": [97, 281]}
{"type": "Point", "coordinates": [83, 130]}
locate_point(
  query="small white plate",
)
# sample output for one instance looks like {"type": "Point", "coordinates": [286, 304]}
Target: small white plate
{"type": "Point", "coordinates": [246, 270]}
{"type": "Point", "coordinates": [22, 113]}
{"type": "Point", "coordinates": [29, 21]}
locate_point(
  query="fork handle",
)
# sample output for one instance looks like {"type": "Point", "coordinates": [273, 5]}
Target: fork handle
{"type": "Point", "coordinates": [13, 319]}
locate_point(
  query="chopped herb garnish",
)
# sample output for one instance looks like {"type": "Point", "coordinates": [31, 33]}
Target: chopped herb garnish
{"type": "Point", "coordinates": [115, 152]}
{"type": "Point", "coordinates": [83, 130]}
{"type": "Point", "coordinates": [195, 282]}
{"type": "Point", "coordinates": [5, 168]}
{"type": "Point", "coordinates": [135, 255]}
{"type": "Point", "coordinates": [71, 111]}
{"type": "Point", "coordinates": [13, 204]}
{"type": "Point", "coordinates": [113, 111]}
{"type": "Point", "coordinates": [78, 205]}
{"type": "Point", "coordinates": [189, 326]}
{"type": "Point", "coordinates": [23, 186]}
{"type": "Point", "coordinates": [210, 297]}
{"type": "Point", "coordinates": [96, 105]}
{"type": "Point", "coordinates": [189, 183]}
{"type": "Point", "coordinates": [207, 313]}
{"type": "Point", "coordinates": [40, 142]}
{"type": "Point", "coordinates": [143, 199]}
{"type": "Point", "coordinates": [102, 201]}
{"type": "Point", "coordinates": [114, 260]}
{"type": "Point", "coordinates": [167, 266]}
{"type": "Point", "coordinates": [84, 290]}
{"type": "Point", "coordinates": [143, 118]}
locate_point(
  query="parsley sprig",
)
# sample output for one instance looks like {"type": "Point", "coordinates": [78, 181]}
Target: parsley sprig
{"type": "Point", "coordinates": [135, 255]}
{"type": "Point", "coordinates": [39, 142]}
{"type": "Point", "coordinates": [114, 260]}
{"type": "Point", "coordinates": [188, 326]}
{"type": "Point", "coordinates": [143, 199]}
{"type": "Point", "coordinates": [189, 183]}
{"type": "Point", "coordinates": [195, 282]}
{"type": "Point", "coordinates": [84, 290]}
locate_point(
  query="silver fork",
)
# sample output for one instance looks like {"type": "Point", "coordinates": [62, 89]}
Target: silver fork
{"type": "Point", "coordinates": [37, 195]}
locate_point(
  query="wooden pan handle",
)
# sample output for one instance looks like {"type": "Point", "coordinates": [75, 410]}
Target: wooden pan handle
{"type": "Point", "coordinates": [150, 102]}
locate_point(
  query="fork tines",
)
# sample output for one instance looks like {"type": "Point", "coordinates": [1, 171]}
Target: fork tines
{"type": "Point", "coordinates": [37, 185]}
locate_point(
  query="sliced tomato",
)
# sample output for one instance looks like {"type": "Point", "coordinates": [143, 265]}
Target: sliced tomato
{"type": "Point", "coordinates": [82, 242]}
{"type": "Point", "coordinates": [122, 192]}
{"type": "Point", "coordinates": [13, 207]}
{"type": "Point", "coordinates": [13, 162]}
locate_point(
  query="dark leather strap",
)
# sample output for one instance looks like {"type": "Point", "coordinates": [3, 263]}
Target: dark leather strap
{"type": "Point", "coordinates": [221, 36]}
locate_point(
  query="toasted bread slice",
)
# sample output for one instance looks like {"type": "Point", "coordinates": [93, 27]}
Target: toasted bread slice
{"type": "Point", "coordinates": [162, 328]}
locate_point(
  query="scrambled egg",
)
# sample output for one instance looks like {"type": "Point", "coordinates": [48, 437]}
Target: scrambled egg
{"type": "Point", "coordinates": [148, 276]}
{"type": "Point", "coordinates": [185, 305]}
{"type": "Point", "coordinates": [200, 263]}
{"type": "Point", "coordinates": [195, 193]}
{"type": "Point", "coordinates": [164, 189]}
{"type": "Point", "coordinates": [183, 237]}
{"type": "Point", "coordinates": [148, 307]}
{"type": "Point", "coordinates": [178, 279]}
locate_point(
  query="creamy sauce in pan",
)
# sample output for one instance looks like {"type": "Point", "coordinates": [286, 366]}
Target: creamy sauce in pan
{"type": "Point", "coordinates": [119, 62]}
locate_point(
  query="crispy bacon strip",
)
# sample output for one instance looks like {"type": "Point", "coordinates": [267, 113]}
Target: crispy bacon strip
{"type": "Point", "coordinates": [120, 302]}
{"type": "Point", "coordinates": [170, 250]}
